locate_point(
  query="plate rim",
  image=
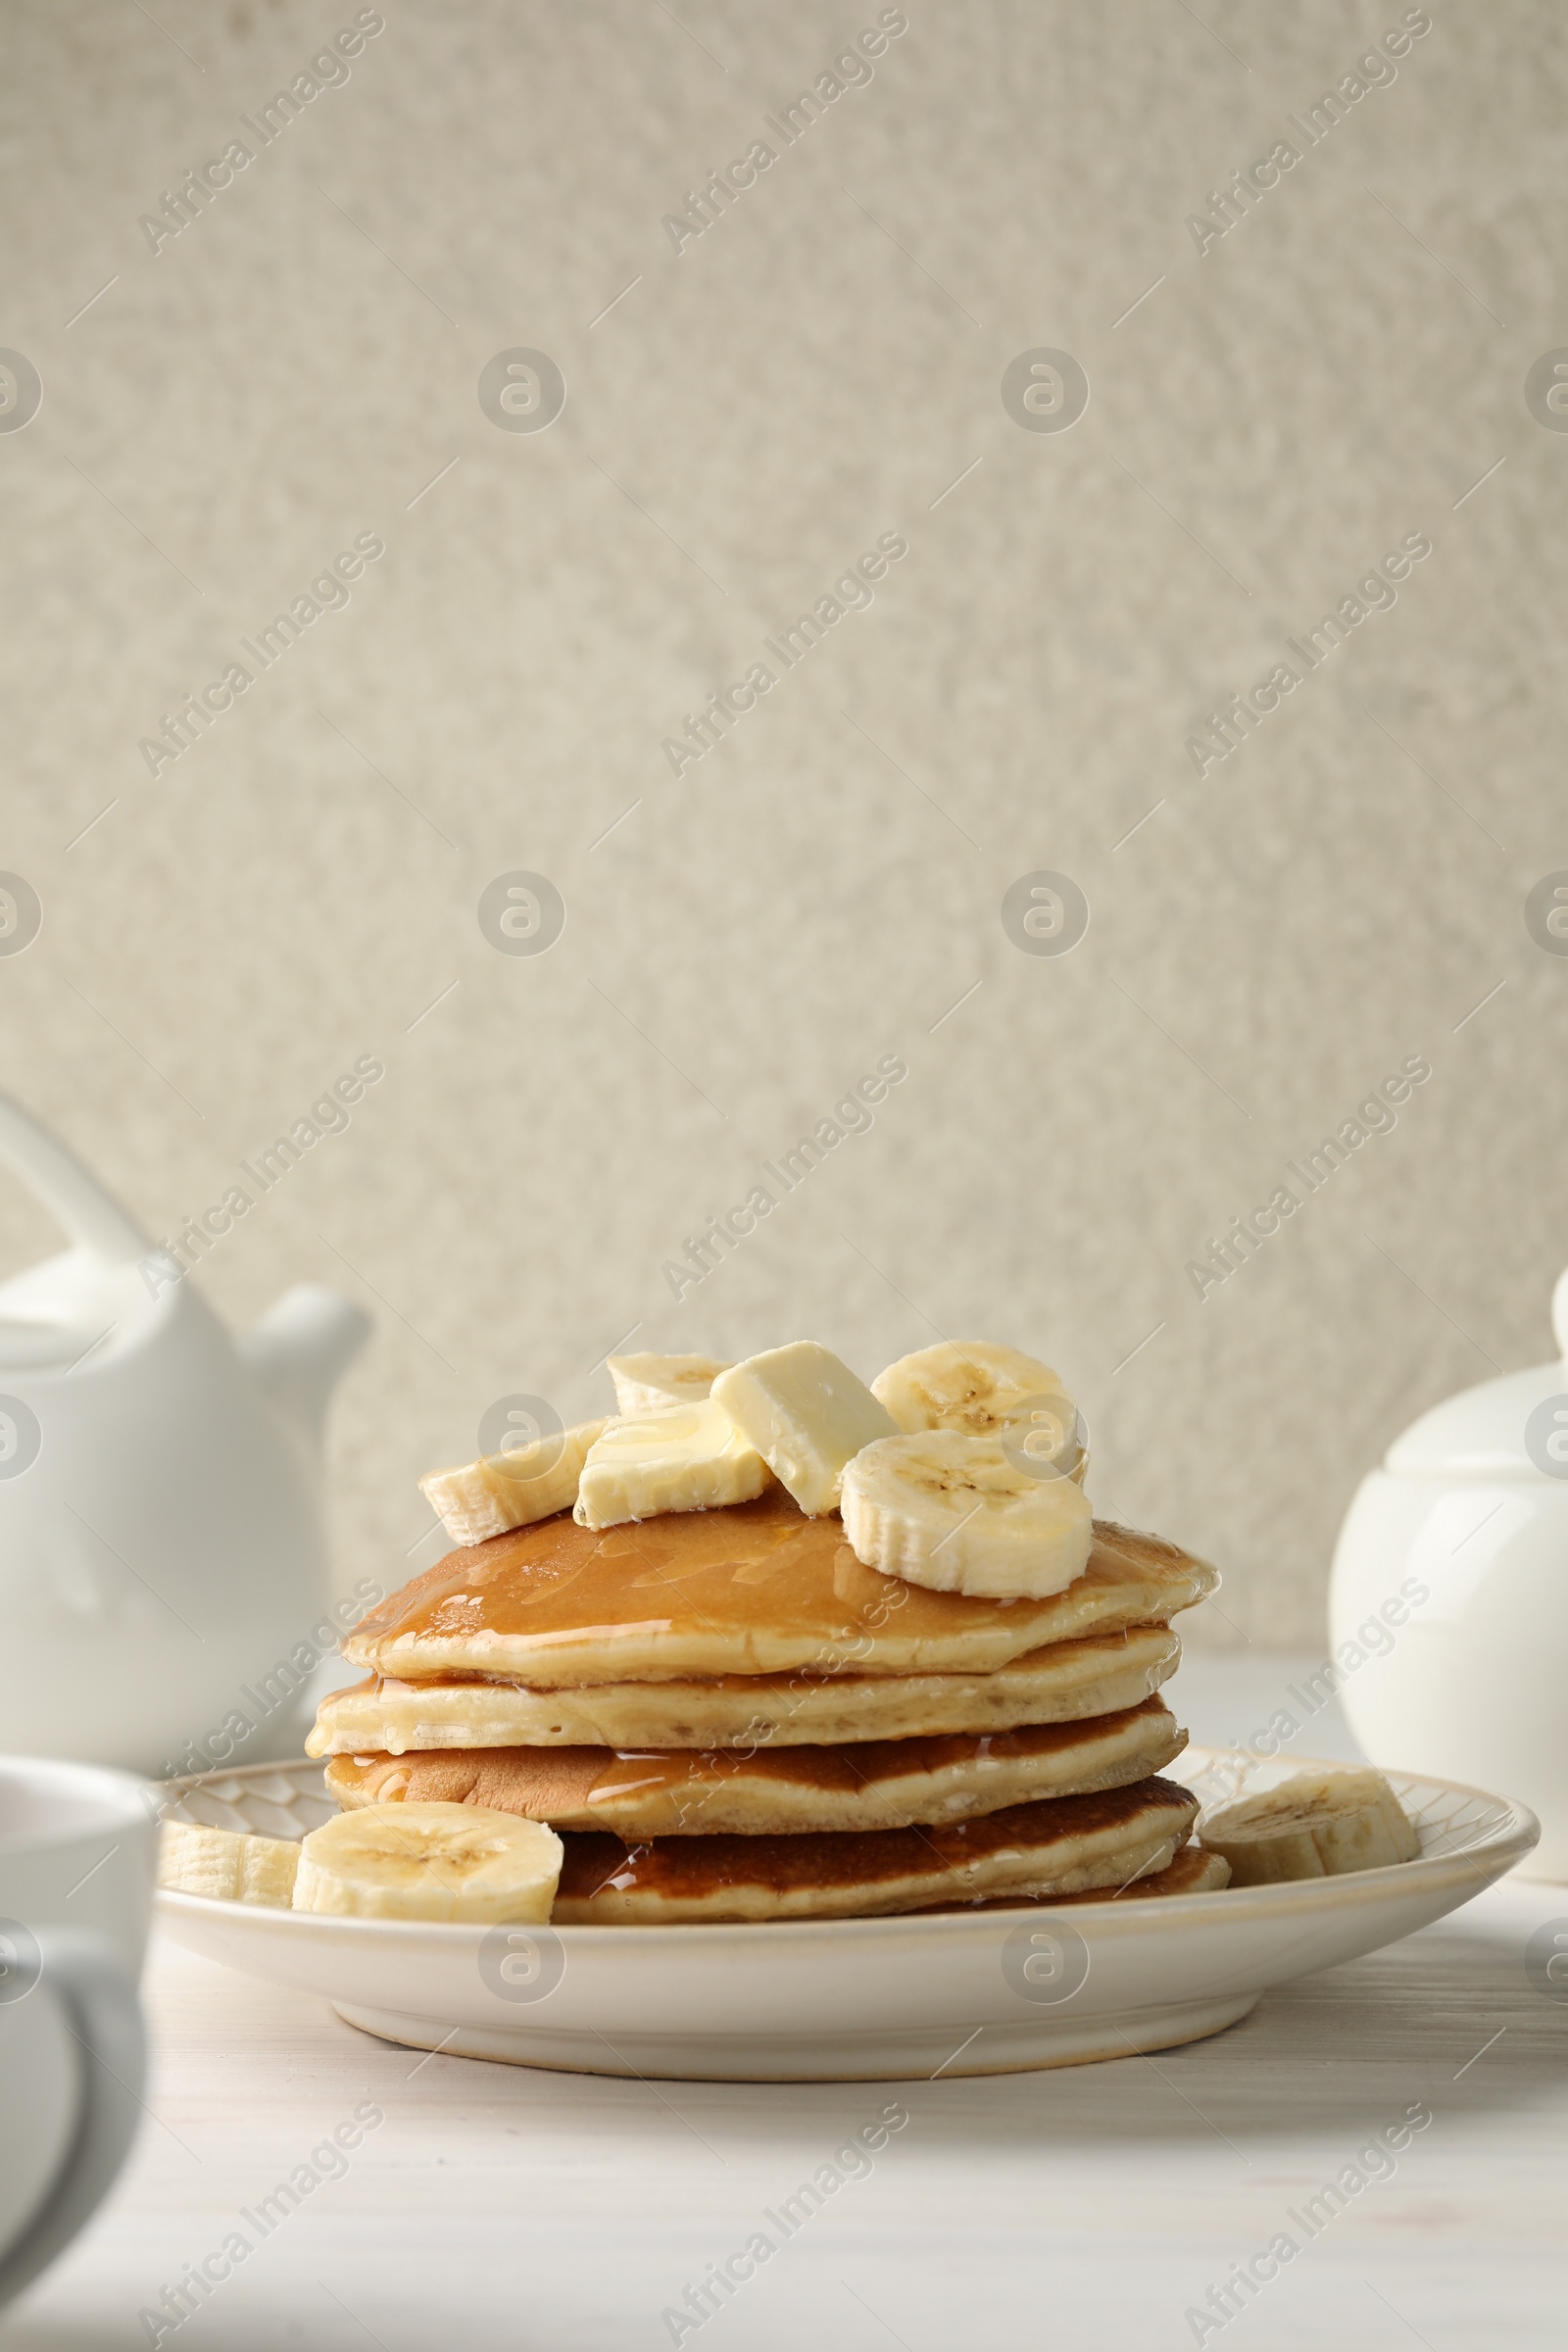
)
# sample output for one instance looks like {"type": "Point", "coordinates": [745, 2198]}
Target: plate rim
{"type": "Point", "coordinates": [1514, 1836]}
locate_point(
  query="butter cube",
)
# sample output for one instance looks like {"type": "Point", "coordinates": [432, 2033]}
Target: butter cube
{"type": "Point", "coordinates": [680, 1458]}
{"type": "Point", "coordinates": [807, 1415]}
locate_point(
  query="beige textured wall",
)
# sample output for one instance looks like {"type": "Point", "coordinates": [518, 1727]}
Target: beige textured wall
{"type": "Point", "coordinates": [812, 373]}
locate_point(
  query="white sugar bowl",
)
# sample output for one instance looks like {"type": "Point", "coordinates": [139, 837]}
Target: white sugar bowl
{"type": "Point", "coordinates": [1449, 1602]}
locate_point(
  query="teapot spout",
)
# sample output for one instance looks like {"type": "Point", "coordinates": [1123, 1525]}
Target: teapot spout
{"type": "Point", "coordinates": [300, 1348]}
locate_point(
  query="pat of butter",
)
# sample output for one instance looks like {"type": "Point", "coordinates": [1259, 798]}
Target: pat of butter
{"type": "Point", "coordinates": [681, 1457]}
{"type": "Point", "coordinates": [807, 1415]}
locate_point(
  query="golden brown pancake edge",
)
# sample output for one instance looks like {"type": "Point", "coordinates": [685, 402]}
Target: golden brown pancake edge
{"type": "Point", "coordinates": [867, 1784]}
{"type": "Point", "coordinates": [1063, 1845]}
{"type": "Point", "coordinates": [754, 1589]}
{"type": "Point", "coordinates": [1062, 1682]}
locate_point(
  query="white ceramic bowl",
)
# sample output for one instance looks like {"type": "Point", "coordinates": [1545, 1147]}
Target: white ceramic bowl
{"type": "Point", "coordinates": [1448, 1601]}
{"type": "Point", "coordinates": [969, 1992]}
{"type": "Point", "coordinates": [1473, 1683]}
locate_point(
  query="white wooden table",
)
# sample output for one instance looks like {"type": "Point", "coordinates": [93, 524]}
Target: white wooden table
{"type": "Point", "coordinates": [1093, 2208]}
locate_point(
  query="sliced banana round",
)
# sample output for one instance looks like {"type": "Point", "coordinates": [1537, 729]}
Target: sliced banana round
{"type": "Point", "coordinates": [454, 1862]}
{"type": "Point", "coordinates": [229, 1865]}
{"type": "Point", "coordinates": [984, 1391]}
{"type": "Point", "coordinates": [502, 1491]}
{"type": "Point", "coordinates": [1316, 1825]}
{"type": "Point", "coordinates": [643, 1383]}
{"type": "Point", "coordinates": [957, 1514]}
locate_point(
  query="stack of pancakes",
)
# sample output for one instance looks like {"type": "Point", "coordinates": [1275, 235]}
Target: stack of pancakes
{"type": "Point", "coordinates": [727, 1716]}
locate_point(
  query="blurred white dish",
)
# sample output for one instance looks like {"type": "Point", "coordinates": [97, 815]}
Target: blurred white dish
{"type": "Point", "coordinates": [163, 1540]}
{"type": "Point", "coordinates": [77, 1855]}
{"type": "Point", "coordinates": [1447, 1605]}
{"type": "Point", "coordinates": [965, 1992]}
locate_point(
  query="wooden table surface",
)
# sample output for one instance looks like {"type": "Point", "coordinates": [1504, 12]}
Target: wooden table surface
{"type": "Point", "coordinates": [1093, 2207]}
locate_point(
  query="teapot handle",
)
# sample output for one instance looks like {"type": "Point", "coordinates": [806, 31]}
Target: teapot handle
{"type": "Point", "coordinates": [1559, 1312]}
{"type": "Point", "coordinates": [92, 1217]}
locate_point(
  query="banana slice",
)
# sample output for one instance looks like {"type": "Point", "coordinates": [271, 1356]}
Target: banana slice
{"type": "Point", "coordinates": [1316, 1825]}
{"type": "Point", "coordinates": [643, 1383]}
{"type": "Point", "coordinates": [484, 1498]}
{"type": "Point", "coordinates": [988, 1392]}
{"type": "Point", "coordinates": [228, 1864]}
{"type": "Point", "coordinates": [957, 1514]}
{"type": "Point", "coordinates": [683, 1457]}
{"type": "Point", "coordinates": [462, 1862]}
{"type": "Point", "coordinates": [807, 1415]}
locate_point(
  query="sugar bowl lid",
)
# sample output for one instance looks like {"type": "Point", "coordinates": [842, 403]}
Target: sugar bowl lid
{"type": "Point", "coordinates": [1514, 1427]}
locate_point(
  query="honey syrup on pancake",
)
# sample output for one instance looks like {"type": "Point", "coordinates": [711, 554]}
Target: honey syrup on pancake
{"type": "Point", "coordinates": [571, 1778]}
{"type": "Point", "coordinates": [676, 1867]}
{"type": "Point", "coordinates": [856, 1764]}
{"type": "Point", "coordinates": [719, 1575]}
{"type": "Point", "coordinates": [715, 1571]}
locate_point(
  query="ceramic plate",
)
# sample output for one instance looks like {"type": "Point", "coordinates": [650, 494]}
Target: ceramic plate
{"type": "Point", "coordinates": [967, 1992]}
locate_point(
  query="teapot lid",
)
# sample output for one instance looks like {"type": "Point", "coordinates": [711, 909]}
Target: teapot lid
{"type": "Point", "coordinates": [1513, 1426]}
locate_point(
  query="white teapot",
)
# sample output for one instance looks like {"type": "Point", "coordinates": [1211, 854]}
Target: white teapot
{"type": "Point", "coordinates": [1448, 1602]}
{"type": "Point", "coordinates": [162, 1546]}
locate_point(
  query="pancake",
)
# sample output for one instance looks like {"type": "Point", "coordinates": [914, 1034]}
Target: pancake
{"type": "Point", "coordinates": [1058, 1846]}
{"type": "Point", "coordinates": [1061, 1684]}
{"type": "Point", "coordinates": [755, 1589]}
{"type": "Point", "coordinates": [873, 1785]}
{"type": "Point", "coordinates": [1192, 1872]}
